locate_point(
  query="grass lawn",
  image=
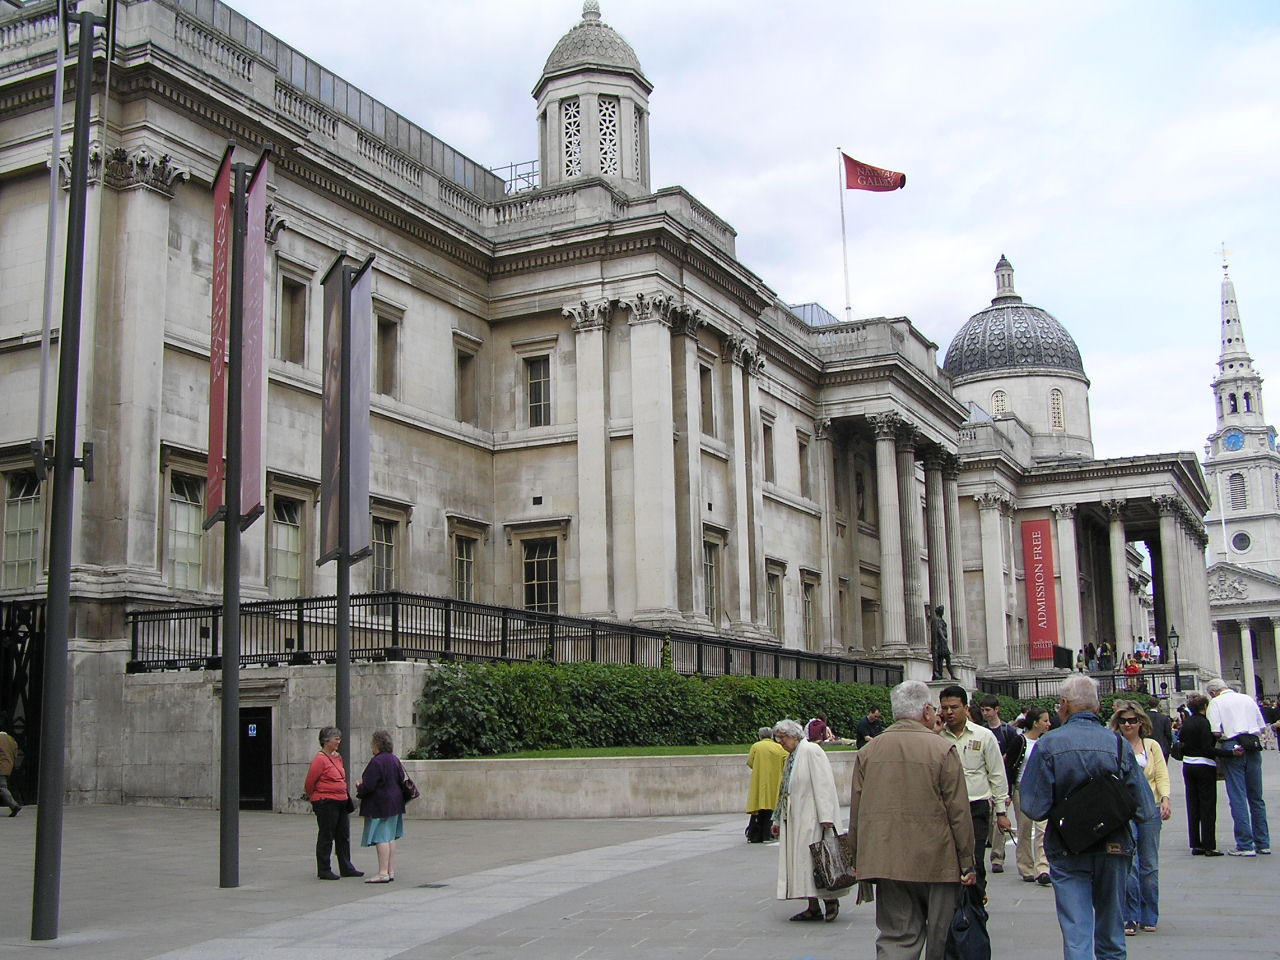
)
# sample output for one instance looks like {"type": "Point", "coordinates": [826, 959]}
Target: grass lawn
{"type": "Point", "coordinates": [682, 751]}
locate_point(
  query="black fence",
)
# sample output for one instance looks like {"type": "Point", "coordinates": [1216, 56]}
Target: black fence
{"type": "Point", "coordinates": [1159, 682]}
{"type": "Point", "coordinates": [406, 626]}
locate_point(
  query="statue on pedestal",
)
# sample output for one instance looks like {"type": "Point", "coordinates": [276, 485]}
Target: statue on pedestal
{"type": "Point", "coordinates": [941, 649]}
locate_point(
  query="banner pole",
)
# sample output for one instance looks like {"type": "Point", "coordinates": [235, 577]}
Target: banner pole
{"type": "Point", "coordinates": [844, 241]}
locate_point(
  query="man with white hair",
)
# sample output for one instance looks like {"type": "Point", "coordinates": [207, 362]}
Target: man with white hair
{"type": "Point", "coordinates": [1088, 887]}
{"type": "Point", "coordinates": [910, 829]}
{"type": "Point", "coordinates": [1237, 722]}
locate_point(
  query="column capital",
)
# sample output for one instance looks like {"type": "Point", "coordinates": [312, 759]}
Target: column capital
{"type": "Point", "coordinates": [740, 350]}
{"type": "Point", "coordinates": [822, 428]}
{"type": "Point", "coordinates": [1245, 624]}
{"type": "Point", "coordinates": [907, 437]}
{"type": "Point", "coordinates": [275, 223]}
{"type": "Point", "coordinates": [935, 458]}
{"type": "Point", "coordinates": [1168, 505]}
{"type": "Point", "coordinates": [885, 425]}
{"type": "Point", "coordinates": [1114, 508]}
{"type": "Point", "coordinates": [1064, 511]}
{"type": "Point", "coordinates": [589, 315]}
{"type": "Point", "coordinates": [950, 466]}
{"type": "Point", "coordinates": [992, 501]}
{"type": "Point", "coordinates": [649, 308]}
{"type": "Point", "coordinates": [140, 166]}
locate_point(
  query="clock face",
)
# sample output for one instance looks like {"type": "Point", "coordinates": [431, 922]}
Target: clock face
{"type": "Point", "coordinates": [1233, 439]}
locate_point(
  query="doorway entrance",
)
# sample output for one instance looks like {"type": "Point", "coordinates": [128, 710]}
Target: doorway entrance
{"type": "Point", "coordinates": [255, 758]}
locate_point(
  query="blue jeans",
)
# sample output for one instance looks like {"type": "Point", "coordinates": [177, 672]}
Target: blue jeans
{"type": "Point", "coordinates": [1089, 891]}
{"type": "Point", "coordinates": [1244, 793]}
{"type": "Point", "coordinates": [1142, 889]}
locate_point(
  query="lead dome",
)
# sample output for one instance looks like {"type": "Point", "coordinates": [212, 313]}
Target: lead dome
{"type": "Point", "coordinates": [1011, 336]}
{"type": "Point", "coordinates": [592, 43]}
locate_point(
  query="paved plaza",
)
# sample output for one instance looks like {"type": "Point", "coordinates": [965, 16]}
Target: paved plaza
{"type": "Point", "coordinates": [142, 883]}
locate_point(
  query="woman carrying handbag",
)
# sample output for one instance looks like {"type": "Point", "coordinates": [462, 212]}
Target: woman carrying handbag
{"type": "Point", "coordinates": [326, 788]}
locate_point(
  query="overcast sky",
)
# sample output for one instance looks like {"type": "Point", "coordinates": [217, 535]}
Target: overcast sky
{"type": "Point", "coordinates": [1107, 148]}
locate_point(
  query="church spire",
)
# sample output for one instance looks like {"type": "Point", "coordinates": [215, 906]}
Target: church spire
{"type": "Point", "coordinates": [1234, 359]}
{"type": "Point", "coordinates": [1237, 387]}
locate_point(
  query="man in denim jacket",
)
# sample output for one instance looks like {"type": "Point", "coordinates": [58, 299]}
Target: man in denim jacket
{"type": "Point", "coordinates": [1088, 887]}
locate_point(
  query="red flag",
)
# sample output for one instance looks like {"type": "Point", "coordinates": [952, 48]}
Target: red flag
{"type": "Point", "coordinates": [863, 176]}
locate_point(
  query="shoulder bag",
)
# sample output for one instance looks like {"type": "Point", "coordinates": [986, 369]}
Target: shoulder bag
{"type": "Point", "coordinates": [1095, 809]}
{"type": "Point", "coordinates": [832, 861]}
{"type": "Point", "coordinates": [407, 787]}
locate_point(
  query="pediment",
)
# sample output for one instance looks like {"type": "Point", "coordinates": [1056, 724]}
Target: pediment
{"type": "Point", "coordinates": [1234, 585]}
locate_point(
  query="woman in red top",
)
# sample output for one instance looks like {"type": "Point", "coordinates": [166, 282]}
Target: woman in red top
{"type": "Point", "coordinates": [326, 788]}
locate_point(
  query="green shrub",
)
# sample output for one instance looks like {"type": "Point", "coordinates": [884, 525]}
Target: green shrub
{"type": "Point", "coordinates": [470, 710]}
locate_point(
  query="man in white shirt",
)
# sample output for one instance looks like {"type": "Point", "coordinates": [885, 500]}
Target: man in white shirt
{"type": "Point", "coordinates": [984, 775]}
{"type": "Point", "coordinates": [1236, 720]}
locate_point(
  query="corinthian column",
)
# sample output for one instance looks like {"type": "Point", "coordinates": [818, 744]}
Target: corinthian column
{"type": "Point", "coordinates": [1246, 658]}
{"type": "Point", "coordinates": [1172, 552]}
{"type": "Point", "coordinates": [1069, 574]}
{"type": "Point", "coordinates": [936, 531]}
{"type": "Point", "coordinates": [1121, 626]}
{"type": "Point", "coordinates": [993, 592]}
{"type": "Point", "coordinates": [955, 556]}
{"type": "Point", "coordinates": [893, 623]}
{"type": "Point", "coordinates": [912, 536]}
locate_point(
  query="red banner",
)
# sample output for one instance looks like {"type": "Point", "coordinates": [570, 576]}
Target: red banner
{"type": "Point", "coordinates": [252, 386]}
{"type": "Point", "coordinates": [217, 483]}
{"type": "Point", "coordinates": [1042, 604]}
{"type": "Point", "coordinates": [863, 176]}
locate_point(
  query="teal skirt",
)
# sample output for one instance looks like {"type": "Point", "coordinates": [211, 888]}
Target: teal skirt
{"type": "Point", "coordinates": [382, 830]}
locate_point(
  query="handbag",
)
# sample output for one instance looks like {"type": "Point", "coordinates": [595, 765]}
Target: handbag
{"type": "Point", "coordinates": [408, 788]}
{"type": "Point", "coordinates": [1251, 742]}
{"type": "Point", "coordinates": [832, 861]}
{"type": "Point", "coordinates": [1176, 749]}
{"type": "Point", "coordinates": [967, 938]}
{"type": "Point", "coordinates": [1094, 810]}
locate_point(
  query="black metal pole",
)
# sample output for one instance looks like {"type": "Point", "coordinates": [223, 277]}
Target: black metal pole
{"type": "Point", "coordinates": [229, 799]}
{"type": "Point", "coordinates": [47, 886]}
{"type": "Point", "coordinates": [342, 666]}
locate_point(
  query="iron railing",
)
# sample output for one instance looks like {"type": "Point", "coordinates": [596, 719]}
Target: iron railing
{"type": "Point", "coordinates": [407, 626]}
{"type": "Point", "coordinates": [1158, 682]}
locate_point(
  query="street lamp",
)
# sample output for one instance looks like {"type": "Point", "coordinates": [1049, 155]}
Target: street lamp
{"type": "Point", "coordinates": [1173, 645]}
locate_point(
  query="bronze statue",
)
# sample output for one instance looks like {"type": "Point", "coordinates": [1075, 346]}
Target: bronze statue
{"type": "Point", "coordinates": [941, 650]}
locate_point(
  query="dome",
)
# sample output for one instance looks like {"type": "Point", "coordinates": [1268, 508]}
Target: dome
{"type": "Point", "coordinates": [592, 44]}
{"type": "Point", "coordinates": [1011, 336]}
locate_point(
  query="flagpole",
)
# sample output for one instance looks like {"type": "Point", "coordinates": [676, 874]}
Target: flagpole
{"type": "Point", "coordinates": [844, 240]}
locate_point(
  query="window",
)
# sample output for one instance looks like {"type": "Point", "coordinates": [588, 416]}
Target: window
{"type": "Point", "coordinates": [571, 125]}
{"type": "Point", "coordinates": [465, 401]}
{"type": "Point", "coordinates": [464, 568]}
{"type": "Point", "coordinates": [1232, 405]}
{"type": "Point", "coordinates": [386, 358]}
{"type": "Point", "coordinates": [285, 543]}
{"type": "Point", "coordinates": [809, 599]}
{"type": "Point", "coordinates": [706, 395]}
{"type": "Point", "coordinates": [773, 601]}
{"type": "Point", "coordinates": [711, 580]}
{"type": "Point", "coordinates": [537, 380]}
{"type": "Point", "coordinates": [382, 573]}
{"type": "Point", "coordinates": [541, 575]}
{"type": "Point", "coordinates": [1248, 403]}
{"type": "Point", "coordinates": [999, 402]}
{"type": "Point", "coordinates": [770, 475]}
{"type": "Point", "coordinates": [609, 110]}
{"type": "Point", "coordinates": [1237, 492]}
{"type": "Point", "coordinates": [185, 556]}
{"type": "Point", "coordinates": [290, 340]}
{"type": "Point", "coordinates": [1057, 414]}
{"type": "Point", "coordinates": [803, 443]}
{"type": "Point", "coordinates": [21, 555]}
{"type": "Point", "coordinates": [1241, 542]}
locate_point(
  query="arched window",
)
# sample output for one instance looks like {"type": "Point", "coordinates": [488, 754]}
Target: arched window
{"type": "Point", "coordinates": [999, 402]}
{"type": "Point", "coordinates": [1248, 403]}
{"type": "Point", "coordinates": [1237, 492]}
{"type": "Point", "coordinates": [1057, 414]}
{"type": "Point", "coordinates": [1232, 406]}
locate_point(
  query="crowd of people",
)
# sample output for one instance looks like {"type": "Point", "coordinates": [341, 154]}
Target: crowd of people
{"type": "Point", "coordinates": [933, 791]}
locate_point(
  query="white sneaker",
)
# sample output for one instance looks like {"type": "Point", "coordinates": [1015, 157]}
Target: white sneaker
{"type": "Point", "coordinates": [1241, 853]}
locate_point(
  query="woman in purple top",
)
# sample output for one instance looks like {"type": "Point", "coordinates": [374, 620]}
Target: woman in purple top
{"type": "Point", "coordinates": [382, 805]}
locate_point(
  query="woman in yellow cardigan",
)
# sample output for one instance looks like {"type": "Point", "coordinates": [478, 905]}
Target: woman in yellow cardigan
{"type": "Point", "coordinates": [1142, 894]}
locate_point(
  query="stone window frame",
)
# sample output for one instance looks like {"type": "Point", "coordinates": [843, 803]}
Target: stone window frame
{"type": "Point", "coordinates": [466, 396]}
{"type": "Point", "coordinates": [1057, 411]}
{"type": "Point", "coordinates": [804, 451]}
{"type": "Point", "coordinates": [293, 270]}
{"type": "Point", "coordinates": [714, 541]}
{"type": "Point", "coordinates": [708, 391]}
{"type": "Point", "coordinates": [775, 617]}
{"type": "Point", "coordinates": [20, 463]}
{"type": "Point", "coordinates": [526, 350]}
{"type": "Point", "coordinates": [460, 527]}
{"type": "Point", "coordinates": [400, 516]}
{"type": "Point", "coordinates": [768, 443]}
{"type": "Point", "coordinates": [388, 337]}
{"type": "Point", "coordinates": [522, 532]}
{"type": "Point", "coordinates": [811, 609]}
{"type": "Point", "coordinates": [195, 467]}
{"type": "Point", "coordinates": [306, 493]}
{"type": "Point", "coordinates": [999, 402]}
{"type": "Point", "coordinates": [1237, 491]}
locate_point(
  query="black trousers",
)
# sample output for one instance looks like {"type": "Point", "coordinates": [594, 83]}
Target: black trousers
{"type": "Point", "coordinates": [980, 814]}
{"type": "Point", "coordinates": [1201, 782]}
{"type": "Point", "coordinates": [334, 829]}
{"type": "Point", "coordinates": [759, 827]}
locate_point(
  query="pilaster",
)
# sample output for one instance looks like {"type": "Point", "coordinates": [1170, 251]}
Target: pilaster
{"type": "Point", "coordinates": [739, 436]}
{"type": "Point", "coordinates": [936, 530]}
{"type": "Point", "coordinates": [1120, 624]}
{"type": "Point", "coordinates": [912, 522]}
{"type": "Point", "coordinates": [1069, 575]}
{"type": "Point", "coordinates": [827, 484]}
{"type": "Point", "coordinates": [590, 323]}
{"type": "Point", "coordinates": [955, 555]}
{"type": "Point", "coordinates": [990, 506]}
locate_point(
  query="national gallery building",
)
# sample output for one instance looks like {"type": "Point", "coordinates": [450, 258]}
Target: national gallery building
{"type": "Point", "coordinates": [583, 403]}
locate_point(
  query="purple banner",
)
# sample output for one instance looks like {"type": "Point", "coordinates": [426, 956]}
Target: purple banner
{"type": "Point", "coordinates": [252, 379]}
{"type": "Point", "coordinates": [217, 476]}
{"type": "Point", "coordinates": [331, 436]}
{"type": "Point", "coordinates": [358, 535]}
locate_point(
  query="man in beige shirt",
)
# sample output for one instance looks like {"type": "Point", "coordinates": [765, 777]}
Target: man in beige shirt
{"type": "Point", "coordinates": [984, 776]}
{"type": "Point", "coordinates": [8, 760]}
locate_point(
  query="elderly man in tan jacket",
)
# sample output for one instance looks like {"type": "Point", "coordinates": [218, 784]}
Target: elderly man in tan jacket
{"type": "Point", "coordinates": [910, 828]}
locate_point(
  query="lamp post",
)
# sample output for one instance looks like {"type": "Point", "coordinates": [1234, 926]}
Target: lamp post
{"type": "Point", "coordinates": [1174, 639]}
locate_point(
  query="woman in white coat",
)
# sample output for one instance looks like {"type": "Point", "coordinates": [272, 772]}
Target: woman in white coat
{"type": "Point", "coordinates": [806, 805]}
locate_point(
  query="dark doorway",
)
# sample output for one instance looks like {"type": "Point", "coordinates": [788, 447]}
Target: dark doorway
{"type": "Point", "coordinates": [255, 758]}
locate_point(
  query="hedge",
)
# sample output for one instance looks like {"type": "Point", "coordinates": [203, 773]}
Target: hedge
{"type": "Point", "coordinates": [473, 710]}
